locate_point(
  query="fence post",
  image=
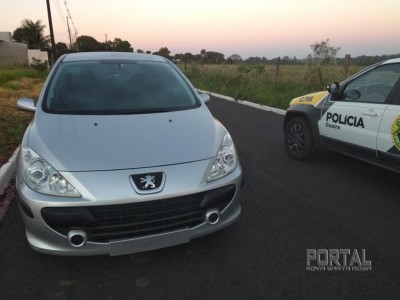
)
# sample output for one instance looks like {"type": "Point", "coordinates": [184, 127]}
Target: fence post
{"type": "Point", "coordinates": [347, 59]}
{"type": "Point", "coordinates": [278, 63]}
{"type": "Point", "coordinates": [308, 76]}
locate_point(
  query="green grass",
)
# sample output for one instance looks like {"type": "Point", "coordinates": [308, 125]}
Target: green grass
{"type": "Point", "coordinates": [10, 74]}
{"type": "Point", "coordinates": [15, 83]}
{"type": "Point", "coordinates": [257, 83]}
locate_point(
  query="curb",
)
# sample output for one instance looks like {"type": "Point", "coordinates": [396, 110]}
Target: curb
{"type": "Point", "coordinates": [7, 171]}
{"type": "Point", "coordinates": [247, 103]}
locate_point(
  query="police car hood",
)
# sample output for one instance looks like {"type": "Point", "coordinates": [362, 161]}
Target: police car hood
{"type": "Point", "coordinates": [310, 99]}
{"type": "Point", "coordinates": [112, 142]}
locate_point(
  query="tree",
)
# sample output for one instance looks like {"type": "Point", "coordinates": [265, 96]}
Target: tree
{"type": "Point", "coordinates": [198, 58]}
{"type": "Point", "coordinates": [19, 35]}
{"type": "Point", "coordinates": [202, 54]}
{"type": "Point", "coordinates": [178, 56]}
{"type": "Point", "coordinates": [139, 51]}
{"type": "Point", "coordinates": [32, 34]}
{"type": "Point", "coordinates": [213, 57]}
{"type": "Point", "coordinates": [106, 46]}
{"type": "Point", "coordinates": [234, 58]}
{"type": "Point", "coordinates": [164, 52]}
{"type": "Point", "coordinates": [187, 57]}
{"type": "Point", "coordinates": [122, 46]}
{"type": "Point", "coordinates": [323, 53]}
{"type": "Point", "coordinates": [61, 48]}
{"type": "Point", "coordinates": [87, 43]}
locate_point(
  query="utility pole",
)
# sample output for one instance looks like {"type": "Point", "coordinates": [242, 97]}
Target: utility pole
{"type": "Point", "coordinates": [69, 33]}
{"type": "Point", "coordinates": [106, 41]}
{"type": "Point", "coordinates": [53, 44]}
{"type": "Point", "coordinates": [76, 40]}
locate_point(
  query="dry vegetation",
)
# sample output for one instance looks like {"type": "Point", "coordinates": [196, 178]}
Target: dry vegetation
{"type": "Point", "coordinates": [258, 83]}
{"type": "Point", "coordinates": [13, 122]}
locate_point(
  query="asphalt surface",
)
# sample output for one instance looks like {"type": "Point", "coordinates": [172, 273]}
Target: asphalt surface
{"type": "Point", "coordinates": [330, 202]}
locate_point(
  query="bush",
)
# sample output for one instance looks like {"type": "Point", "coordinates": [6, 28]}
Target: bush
{"type": "Point", "coordinates": [39, 66]}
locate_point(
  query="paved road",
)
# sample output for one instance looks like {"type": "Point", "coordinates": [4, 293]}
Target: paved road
{"type": "Point", "coordinates": [332, 202]}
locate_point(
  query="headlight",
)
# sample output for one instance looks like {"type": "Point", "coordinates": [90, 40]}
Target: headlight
{"type": "Point", "coordinates": [42, 177]}
{"type": "Point", "coordinates": [225, 161]}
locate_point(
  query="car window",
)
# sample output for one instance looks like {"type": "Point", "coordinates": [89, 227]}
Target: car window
{"type": "Point", "coordinates": [374, 86]}
{"type": "Point", "coordinates": [112, 87]}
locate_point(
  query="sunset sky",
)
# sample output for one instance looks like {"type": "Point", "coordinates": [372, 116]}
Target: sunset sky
{"type": "Point", "coordinates": [267, 28]}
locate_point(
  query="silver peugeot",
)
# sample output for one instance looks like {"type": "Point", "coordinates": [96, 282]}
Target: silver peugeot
{"type": "Point", "coordinates": [123, 156]}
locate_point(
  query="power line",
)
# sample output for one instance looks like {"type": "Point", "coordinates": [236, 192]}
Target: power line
{"type": "Point", "coordinates": [59, 11]}
{"type": "Point", "coordinates": [70, 17]}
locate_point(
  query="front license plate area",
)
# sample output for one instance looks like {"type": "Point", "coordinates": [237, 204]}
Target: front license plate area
{"type": "Point", "coordinates": [151, 242]}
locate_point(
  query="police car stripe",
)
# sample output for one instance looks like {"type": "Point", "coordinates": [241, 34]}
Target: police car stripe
{"type": "Point", "coordinates": [325, 105]}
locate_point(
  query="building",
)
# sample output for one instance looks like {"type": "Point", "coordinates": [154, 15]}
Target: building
{"type": "Point", "coordinates": [12, 53]}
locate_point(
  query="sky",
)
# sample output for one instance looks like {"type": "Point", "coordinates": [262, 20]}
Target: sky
{"type": "Point", "coordinates": [264, 28]}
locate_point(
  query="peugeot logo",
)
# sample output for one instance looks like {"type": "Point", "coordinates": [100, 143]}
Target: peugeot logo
{"type": "Point", "coordinates": [147, 183]}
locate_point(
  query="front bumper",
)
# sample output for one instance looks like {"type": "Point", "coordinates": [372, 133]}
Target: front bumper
{"type": "Point", "coordinates": [118, 221]}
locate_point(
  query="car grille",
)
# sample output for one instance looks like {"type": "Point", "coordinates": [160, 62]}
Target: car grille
{"type": "Point", "coordinates": [113, 222]}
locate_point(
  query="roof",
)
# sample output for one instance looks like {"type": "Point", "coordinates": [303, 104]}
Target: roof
{"type": "Point", "coordinates": [112, 55]}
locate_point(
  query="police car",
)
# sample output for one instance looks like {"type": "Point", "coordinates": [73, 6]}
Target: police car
{"type": "Point", "coordinates": [359, 117]}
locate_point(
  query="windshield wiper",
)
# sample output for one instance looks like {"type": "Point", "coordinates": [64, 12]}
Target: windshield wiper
{"type": "Point", "coordinates": [143, 111]}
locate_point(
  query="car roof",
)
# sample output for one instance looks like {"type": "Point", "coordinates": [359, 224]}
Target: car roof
{"type": "Point", "coordinates": [80, 56]}
{"type": "Point", "coordinates": [391, 61]}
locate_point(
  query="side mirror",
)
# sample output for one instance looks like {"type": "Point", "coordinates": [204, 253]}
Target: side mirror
{"type": "Point", "coordinates": [205, 97]}
{"type": "Point", "coordinates": [26, 104]}
{"type": "Point", "coordinates": [333, 88]}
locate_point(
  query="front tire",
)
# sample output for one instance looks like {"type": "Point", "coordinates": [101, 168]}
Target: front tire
{"type": "Point", "coordinates": [298, 139]}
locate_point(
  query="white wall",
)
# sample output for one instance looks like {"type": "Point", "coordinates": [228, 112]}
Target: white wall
{"type": "Point", "coordinates": [5, 36]}
{"type": "Point", "coordinates": [13, 54]}
{"type": "Point", "coordinates": [37, 54]}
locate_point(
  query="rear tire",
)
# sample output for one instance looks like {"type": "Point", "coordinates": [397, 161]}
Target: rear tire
{"type": "Point", "coordinates": [298, 139]}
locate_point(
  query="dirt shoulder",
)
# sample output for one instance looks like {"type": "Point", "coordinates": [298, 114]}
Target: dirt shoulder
{"type": "Point", "coordinates": [6, 198]}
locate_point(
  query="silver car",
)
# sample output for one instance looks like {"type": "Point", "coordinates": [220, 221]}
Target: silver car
{"type": "Point", "coordinates": [123, 156]}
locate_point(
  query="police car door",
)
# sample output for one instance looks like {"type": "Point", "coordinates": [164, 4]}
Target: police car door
{"type": "Point", "coordinates": [351, 121]}
{"type": "Point", "coordinates": [389, 132]}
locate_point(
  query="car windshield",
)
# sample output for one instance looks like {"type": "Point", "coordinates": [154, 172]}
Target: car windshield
{"type": "Point", "coordinates": [117, 87]}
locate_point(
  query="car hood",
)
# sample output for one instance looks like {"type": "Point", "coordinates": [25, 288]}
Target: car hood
{"type": "Point", "coordinates": [111, 142]}
{"type": "Point", "coordinates": [310, 99]}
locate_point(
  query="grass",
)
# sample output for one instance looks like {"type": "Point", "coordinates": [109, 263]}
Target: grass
{"type": "Point", "coordinates": [10, 74]}
{"type": "Point", "coordinates": [14, 84]}
{"type": "Point", "coordinates": [258, 83]}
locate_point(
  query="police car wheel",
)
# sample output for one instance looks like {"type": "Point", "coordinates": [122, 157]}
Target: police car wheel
{"type": "Point", "coordinates": [298, 139]}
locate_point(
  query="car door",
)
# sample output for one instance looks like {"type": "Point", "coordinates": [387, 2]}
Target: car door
{"type": "Point", "coordinates": [388, 141]}
{"type": "Point", "coordinates": [351, 120]}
